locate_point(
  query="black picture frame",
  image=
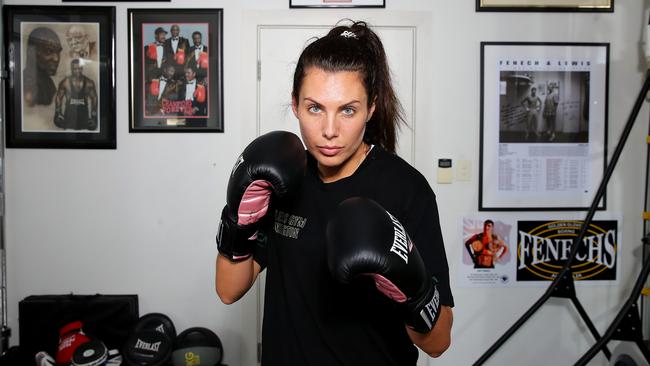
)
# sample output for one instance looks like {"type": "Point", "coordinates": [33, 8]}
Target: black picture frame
{"type": "Point", "coordinates": [114, 1]}
{"type": "Point", "coordinates": [311, 4]}
{"type": "Point", "coordinates": [542, 152]}
{"type": "Point", "coordinates": [579, 6]}
{"type": "Point", "coordinates": [45, 101]}
{"type": "Point", "coordinates": [174, 109]}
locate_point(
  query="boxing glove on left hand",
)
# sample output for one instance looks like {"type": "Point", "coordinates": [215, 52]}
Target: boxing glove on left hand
{"type": "Point", "coordinates": [273, 163]}
{"type": "Point", "coordinates": [365, 239]}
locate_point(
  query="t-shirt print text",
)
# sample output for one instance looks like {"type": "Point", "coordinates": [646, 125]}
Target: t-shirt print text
{"type": "Point", "coordinates": [288, 225]}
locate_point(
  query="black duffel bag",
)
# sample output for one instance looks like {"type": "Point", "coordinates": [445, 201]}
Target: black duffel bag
{"type": "Point", "coordinates": [108, 318]}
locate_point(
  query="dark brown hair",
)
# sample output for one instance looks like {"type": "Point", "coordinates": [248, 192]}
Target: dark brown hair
{"type": "Point", "coordinates": [357, 48]}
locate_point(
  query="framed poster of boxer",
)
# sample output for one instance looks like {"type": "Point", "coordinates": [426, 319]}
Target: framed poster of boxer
{"type": "Point", "coordinates": [546, 5]}
{"type": "Point", "coordinates": [337, 3]}
{"type": "Point", "coordinates": [60, 90]}
{"type": "Point", "coordinates": [543, 125]}
{"type": "Point", "coordinates": [176, 70]}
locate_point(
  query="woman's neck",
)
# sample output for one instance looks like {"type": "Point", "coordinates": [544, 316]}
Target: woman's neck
{"type": "Point", "coordinates": [332, 174]}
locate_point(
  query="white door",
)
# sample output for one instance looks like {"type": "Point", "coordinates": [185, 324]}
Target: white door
{"type": "Point", "coordinates": [281, 36]}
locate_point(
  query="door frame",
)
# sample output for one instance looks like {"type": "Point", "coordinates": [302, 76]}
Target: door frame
{"type": "Point", "coordinates": [255, 21]}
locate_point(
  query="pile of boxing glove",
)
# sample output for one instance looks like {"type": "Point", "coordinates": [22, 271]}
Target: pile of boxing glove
{"type": "Point", "coordinates": [76, 348]}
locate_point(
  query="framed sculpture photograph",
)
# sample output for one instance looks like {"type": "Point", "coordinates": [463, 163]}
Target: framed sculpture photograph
{"type": "Point", "coordinates": [60, 91]}
{"type": "Point", "coordinates": [546, 5]}
{"type": "Point", "coordinates": [337, 3]}
{"type": "Point", "coordinates": [176, 70]}
{"type": "Point", "coordinates": [543, 132]}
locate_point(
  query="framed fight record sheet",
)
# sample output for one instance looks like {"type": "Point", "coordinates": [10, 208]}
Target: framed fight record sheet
{"type": "Point", "coordinates": [543, 125]}
{"type": "Point", "coordinates": [176, 70]}
{"type": "Point", "coordinates": [61, 86]}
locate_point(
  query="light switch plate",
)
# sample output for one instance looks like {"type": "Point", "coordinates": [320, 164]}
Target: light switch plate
{"type": "Point", "coordinates": [464, 170]}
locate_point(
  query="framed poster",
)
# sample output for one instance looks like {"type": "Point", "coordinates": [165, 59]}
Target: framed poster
{"type": "Point", "coordinates": [531, 248]}
{"type": "Point", "coordinates": [337, 3]}
{"type": "Point", "coordinates": [546, 5]}
{"type": "Point", "coordinates": [176, 70]}
{"type": "Point", "coordinates": [543, 143]}
{"type": "Point", "coordinates": [61, 85]}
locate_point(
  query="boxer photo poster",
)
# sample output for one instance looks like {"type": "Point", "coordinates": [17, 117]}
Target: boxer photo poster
{"type": "Point", "coordinates": [543, 125]}
{"type": "Point", "coordinates": [546, 5]}
{"type": "Point", "coordinates": [176, 70]}
{"type": "Point", "coordinates": [60, 91]}
{"type": "Point", "coordinates": [530, 249]}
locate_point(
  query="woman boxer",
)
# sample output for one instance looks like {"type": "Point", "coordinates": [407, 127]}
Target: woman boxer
{"type": "Point", "coordinates": [321, 305]}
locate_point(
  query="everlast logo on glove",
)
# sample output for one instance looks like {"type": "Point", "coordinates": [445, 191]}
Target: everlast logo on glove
{"type": "Point", "coordinates": [401, 243]}
{"type": "Point", "coordinates": [430, 311]}
{"type": "Point", "coordinates": [140, 344]}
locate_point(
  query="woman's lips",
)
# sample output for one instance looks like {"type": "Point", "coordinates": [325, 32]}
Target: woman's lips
{"type": "Point", "coordinates": [329, 150]}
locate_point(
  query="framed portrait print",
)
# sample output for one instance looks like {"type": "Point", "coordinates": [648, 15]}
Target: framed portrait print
{"type": "Point", "coordinates": [176, 70]}
{"type": "Point", "coordinates": [546, 5]}
{"type": "Point", "coordinates": [337, 3]}
{"type": "Point", "coordinates": [543, 125]}
{"type": "Point", "coordinates": [61, 86]}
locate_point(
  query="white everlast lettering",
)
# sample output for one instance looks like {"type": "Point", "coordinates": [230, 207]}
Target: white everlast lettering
{"type": "Point", "coordinates": [147, 346]}
{"type": "Point", "coordinates": [431, 309]}
{"type": "Point", "coordinates": [400, 240]}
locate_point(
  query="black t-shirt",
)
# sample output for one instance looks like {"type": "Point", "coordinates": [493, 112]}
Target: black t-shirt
{"type": "Point", "coordinates": [310, 318]}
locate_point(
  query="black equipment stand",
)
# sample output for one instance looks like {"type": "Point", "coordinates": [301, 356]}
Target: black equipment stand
{"type": "Point", "coordinates": [626, 326]}
{"type": "Point", "coordinates": [563, 285]}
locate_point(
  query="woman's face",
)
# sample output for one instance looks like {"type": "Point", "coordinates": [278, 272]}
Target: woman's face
{"type": "Point", "coordinates": [332, 109]}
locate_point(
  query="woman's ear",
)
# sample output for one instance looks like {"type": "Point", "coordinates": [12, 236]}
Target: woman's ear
{"type": "Point", "coordinates": [294, 107]}
{"type": "Point", "coordinates": [371, 110]}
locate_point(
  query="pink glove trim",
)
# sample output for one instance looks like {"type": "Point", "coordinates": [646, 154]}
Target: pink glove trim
{"type": "Point", "coordinates": [254, 203]}
{"type": "Point", "coordinates": [388, 288]}
{"type": "Point", "coordinates": [238, 257]}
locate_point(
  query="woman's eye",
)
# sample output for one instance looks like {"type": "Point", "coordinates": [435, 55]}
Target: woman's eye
{"type": "Point", "coordinates": [314, 109]}
{"type": "Point", "coordinates": [348, 111]}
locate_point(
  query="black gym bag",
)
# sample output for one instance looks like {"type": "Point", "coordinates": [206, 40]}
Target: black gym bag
{"type": "Point", "coordinates": [108, 318]}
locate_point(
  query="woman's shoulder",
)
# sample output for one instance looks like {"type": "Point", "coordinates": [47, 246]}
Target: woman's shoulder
{"type": "Point", "coordinates": [392, 168]}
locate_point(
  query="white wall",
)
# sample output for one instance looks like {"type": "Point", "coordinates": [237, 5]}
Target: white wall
{"type": "Point", "coordinates": [141, 219]}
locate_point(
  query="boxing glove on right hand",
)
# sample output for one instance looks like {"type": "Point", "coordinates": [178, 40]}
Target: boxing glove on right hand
{"type": "Point", "coordinates": [363, 239]}
{"type": "Point", "coordinates": [273, 163]}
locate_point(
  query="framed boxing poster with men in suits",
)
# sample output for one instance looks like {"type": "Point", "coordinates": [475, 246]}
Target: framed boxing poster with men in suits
{"type": "Point", "coordinates": [60, 90]}
{"type": "Point", "coordinates": [176, 70]}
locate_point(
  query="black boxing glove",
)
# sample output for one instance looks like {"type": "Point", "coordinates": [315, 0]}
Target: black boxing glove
{"type": "Point", "coordinates": [273, 164]}
{"type": "Point", "coordinates": [92, 121]}
{"type": "Point", "coordinates": [58, 118]}
{"type": "Point", "coordinates": [365, 239]}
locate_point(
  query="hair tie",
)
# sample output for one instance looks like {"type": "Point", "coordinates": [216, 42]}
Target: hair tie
{"type": "Point", "coordinates": [348, 34]}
